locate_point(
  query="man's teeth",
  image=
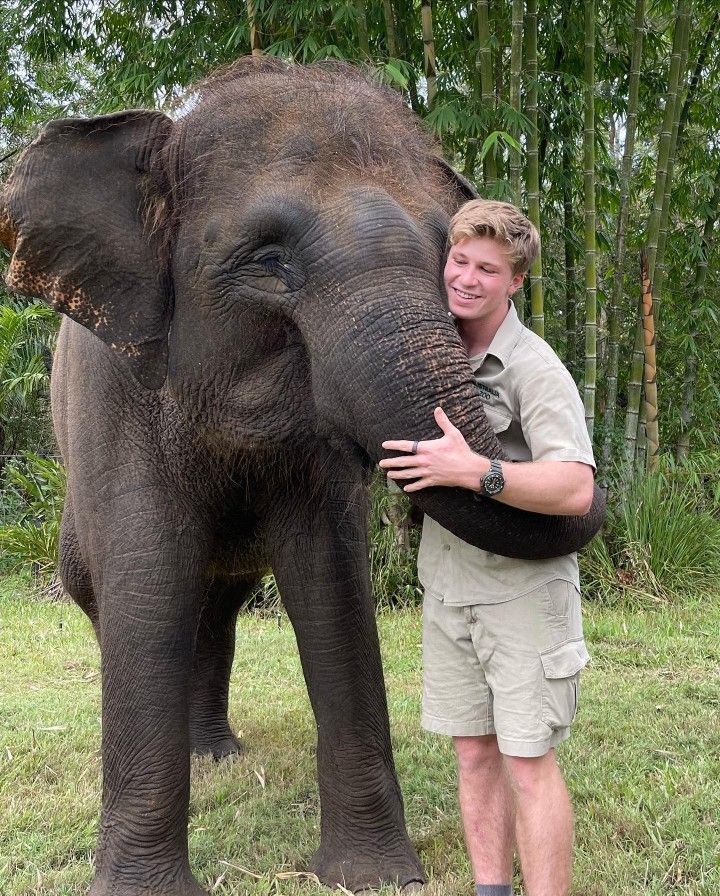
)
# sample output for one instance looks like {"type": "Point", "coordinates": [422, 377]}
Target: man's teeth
{"type": "Point", "coordinates": [465, 295]}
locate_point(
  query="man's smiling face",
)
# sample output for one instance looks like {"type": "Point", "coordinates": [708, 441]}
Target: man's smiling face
{"type": "Point", "coordinates": [479, 280]}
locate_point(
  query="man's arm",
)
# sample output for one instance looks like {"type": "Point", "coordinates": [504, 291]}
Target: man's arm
{"type": "Point", "coordinates": [544, 486]}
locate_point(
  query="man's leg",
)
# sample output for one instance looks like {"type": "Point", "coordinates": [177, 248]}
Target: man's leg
{"type": "Point", "coordinates": [486, 807]}
{"type": "Point", "coordinates": [543, 823]}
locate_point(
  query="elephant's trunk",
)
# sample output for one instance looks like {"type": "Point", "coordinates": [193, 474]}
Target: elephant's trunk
{"type": "Point", "coordinates": [388, 370]}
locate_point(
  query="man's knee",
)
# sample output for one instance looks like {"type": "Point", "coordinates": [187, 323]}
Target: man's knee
{"type": "Point", "coordinates": [531, 774]}
{"type": "Point", "coordinates": [477, 752]}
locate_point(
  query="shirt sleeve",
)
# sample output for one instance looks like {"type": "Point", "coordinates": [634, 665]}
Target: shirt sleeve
{"type": "Point", "coordinates": [552, 416]}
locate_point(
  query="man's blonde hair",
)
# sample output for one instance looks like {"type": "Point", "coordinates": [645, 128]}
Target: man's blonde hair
{"type": "Point", "coordinates": [504, 223]}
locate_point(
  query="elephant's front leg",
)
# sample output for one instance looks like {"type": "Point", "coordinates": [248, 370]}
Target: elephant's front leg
{"type": "Point", "coordinates": [319, 553]}
{"type": "Point", "coordinates": [210, 732]}
{"type": "Point", "coordinates": [149, 598]}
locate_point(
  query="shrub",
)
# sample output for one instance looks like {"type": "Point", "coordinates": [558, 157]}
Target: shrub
{"type": "Point", "coordinates": [36, 487]}
{"type": "Point", "coordinates": [393, 548]}
{"type": "Point", "coordinates": [662, 537]}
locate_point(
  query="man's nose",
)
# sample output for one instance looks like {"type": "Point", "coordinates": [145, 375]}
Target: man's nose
{"type": "Point", "coordinates": [468, 278]}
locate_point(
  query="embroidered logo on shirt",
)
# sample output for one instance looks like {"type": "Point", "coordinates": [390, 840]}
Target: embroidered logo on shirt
{"type": "Point", "coordinates": [487, 393]}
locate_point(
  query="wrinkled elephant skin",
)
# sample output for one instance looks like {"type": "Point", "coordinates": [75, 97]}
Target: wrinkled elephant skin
{"type": "Point", "coordinates": [253, 304]}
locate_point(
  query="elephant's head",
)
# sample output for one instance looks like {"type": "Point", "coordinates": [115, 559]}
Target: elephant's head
{"type": "Point", "coordinates": [273, 258]}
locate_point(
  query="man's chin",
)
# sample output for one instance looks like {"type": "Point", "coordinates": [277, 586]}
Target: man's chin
{"type": "Point", "coordinates": [464, 312]}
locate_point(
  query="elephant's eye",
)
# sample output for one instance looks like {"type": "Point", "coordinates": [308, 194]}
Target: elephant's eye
{"type": "Point", "coordinates": [278, 262]}
{"type": "Point", "coordinates": [273, 259]}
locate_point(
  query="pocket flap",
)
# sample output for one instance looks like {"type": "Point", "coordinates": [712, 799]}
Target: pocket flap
{"type": "Point", "coordinates": [499, 419]}
{"type": "Point", "coordinates": [565, 660]}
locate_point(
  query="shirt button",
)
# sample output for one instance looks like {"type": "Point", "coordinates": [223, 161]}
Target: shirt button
{"type": "Point", "coordinates": [446, 547]}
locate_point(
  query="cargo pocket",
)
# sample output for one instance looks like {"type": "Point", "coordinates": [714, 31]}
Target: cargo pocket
{"type": "Point", "coordinates": [561, 666]}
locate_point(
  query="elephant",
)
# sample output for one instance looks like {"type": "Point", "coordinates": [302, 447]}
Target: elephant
{"type": "Point", "coordinates": [252, 303]}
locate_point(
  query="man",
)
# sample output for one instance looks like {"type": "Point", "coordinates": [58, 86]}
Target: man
{"type": "Point", "coordinates": [502, 638]}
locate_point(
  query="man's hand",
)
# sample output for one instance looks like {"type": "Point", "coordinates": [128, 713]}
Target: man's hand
{"type": "Point", "coordinates": [544, 486]}
{"type": "Point", "coordinates": [448, 460]}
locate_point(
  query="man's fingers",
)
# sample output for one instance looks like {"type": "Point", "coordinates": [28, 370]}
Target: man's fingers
{"type": "Point", "coordinates": [399, 463]}
{"type": "Point", "coordinates": [443, 421]}
{"type": "Point", "coordinates": [406, 473]}
{"type": "Point", "coordinates": [417, 486]}
{"type": "Point", "coordinates": [399, 445]}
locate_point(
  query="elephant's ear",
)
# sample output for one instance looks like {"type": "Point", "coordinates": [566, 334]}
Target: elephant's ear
{"type": "Point", "coordinates": [83, 212]}
{"type": "Point", "coordinates": [460, 185]}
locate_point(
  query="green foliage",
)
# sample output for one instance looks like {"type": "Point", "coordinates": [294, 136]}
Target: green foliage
{"type": "Point", "coordinates": [393, 548]}
{"type": "Point", "coordinates": [661, 540]}
{"type": "Point", "coordinates": [26, 334]}
{"type": "Point", "coordinates": [30, 541]}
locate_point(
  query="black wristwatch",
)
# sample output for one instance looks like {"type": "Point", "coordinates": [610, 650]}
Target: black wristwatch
{"type": "Point", "coordinates": [493, 482]}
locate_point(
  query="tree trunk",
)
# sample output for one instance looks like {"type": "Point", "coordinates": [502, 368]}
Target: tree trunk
{"type": "Point", "coordinates": [429, 65]}
{"type": "Point", "coordinates": [533, 169]}
{"type": "Point", "coordinates": [590, 251]}
{"type": "Point", "coordinates": [615, 317]}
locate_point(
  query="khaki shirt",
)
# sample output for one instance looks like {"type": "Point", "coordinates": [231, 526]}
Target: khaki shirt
{"type": "Point", "coordinates": [533, 405]}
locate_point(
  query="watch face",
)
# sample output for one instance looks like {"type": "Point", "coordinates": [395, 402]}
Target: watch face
{"type": "Point", "coordinates": [493, 483]}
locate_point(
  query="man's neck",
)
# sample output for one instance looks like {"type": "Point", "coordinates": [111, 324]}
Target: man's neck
{"type": "Point", "coordinates": [478, 334]}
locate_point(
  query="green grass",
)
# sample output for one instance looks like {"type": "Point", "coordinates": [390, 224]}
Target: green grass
{"type": "Point", "coordinates": [643, 765]}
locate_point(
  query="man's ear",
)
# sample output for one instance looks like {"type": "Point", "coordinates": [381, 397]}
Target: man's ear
{"type": "Point", "coordinates": [84, 211]}
{"type": "Point", "coordinates": [516, 283]}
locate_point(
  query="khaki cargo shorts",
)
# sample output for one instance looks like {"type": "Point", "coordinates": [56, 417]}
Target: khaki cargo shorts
{"type": "Point", "coordinates": [510, 669]}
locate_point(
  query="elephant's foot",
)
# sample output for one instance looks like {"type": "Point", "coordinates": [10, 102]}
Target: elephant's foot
{"type": "Point", "coordinates": [181, 885]}
{"type": "Point", "coordinates": [216, 742]}
{"type": "Point", "coordinates": [356, 870]}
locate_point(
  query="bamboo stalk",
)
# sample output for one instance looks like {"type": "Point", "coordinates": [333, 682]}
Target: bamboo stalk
{"type": "Point", "coordinates": [570, 270]}
{"type": "Point", "coordinates": [590, 249]}
{"type": "Point", "coordinates": [515, 82]}
{"type": "Point", "coordinates": [615, 316]}
{"type": "Point", "coordinates": [390, 33]}
{"type": "Point", "coordinates": [487, 91]}
{"type": "Point", "coordinates": [255, 45]}
{"type": "Point", "coordinates": [537, 319]}
{"type": "Point", "coordinates": [362, 28]}
{"type": "Point", "coordinates": [652, 433]}
{"type": "Point", "coordinates": [635, 383]}
{"type": "Point", "coordinates": [429, 63]}
{"type": "Point", "coordinates": [680, 37]}
{"type": "Point", "coordinates": [671, 108]}
{"type": "Point", "coordinates": [687, 410]}
{"type": "Point", "coordinates": [659, 276]}
{"type": "Point", "coordinates": [401, 18]}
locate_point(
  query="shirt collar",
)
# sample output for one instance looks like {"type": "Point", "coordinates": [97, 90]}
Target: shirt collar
{"type": "Point", "coordinates": [506, 338]}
